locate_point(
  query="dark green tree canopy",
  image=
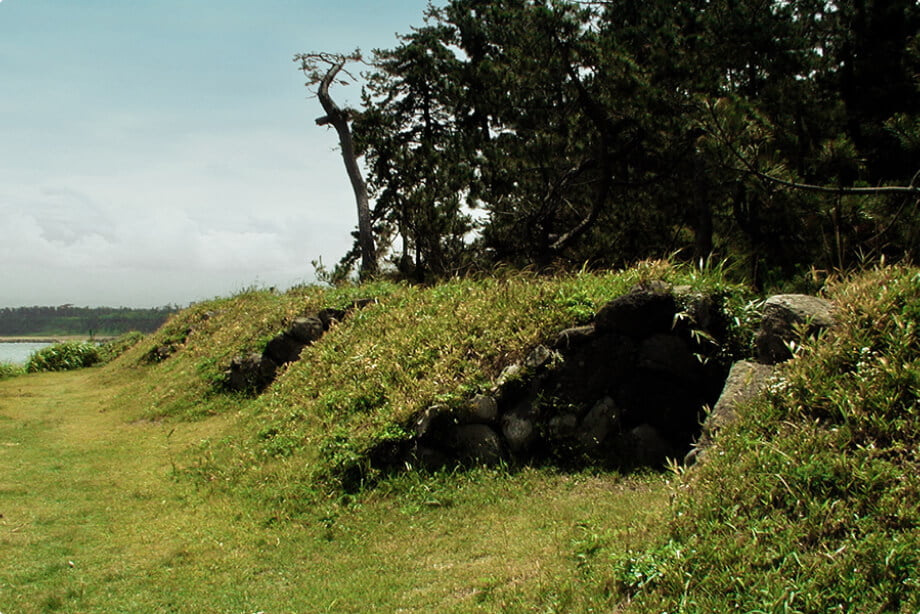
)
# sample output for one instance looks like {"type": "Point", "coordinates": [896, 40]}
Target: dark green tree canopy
{"type": "Point", "coordinates": [551, 132]}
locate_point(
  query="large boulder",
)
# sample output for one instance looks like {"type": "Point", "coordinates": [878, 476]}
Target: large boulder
{"type": "Point", "coordinates": [306, 329]}
{"type": "Point", "coordinates": [433, 423]}
{"type": "Point", "coordinates": [329, 317]}
{"type": "Point", "coordinates": [575, 337]}
{"type": "Point", "coordinates": [597, 425]}
{"type": "Point", "coordinates": [784, 316]}
{"type": "Point", "coordinates": [477, 444]}
{"type": "Point", "coordinates": [638, 314]}
{"type": "Point", "coordinates": [250, 373]}
{"type": "Point", "coordinates": [562, 428]}
{"type": "Point", "coordinates": [745, 381]}
{"type": "Point", "coordinates": [284, 349]}
{"type": "Point", "coordinates": [519, 429]}
{"type": "Point", "coordinates": [538, 358]}
{"type": "Point", "coordinates": [481, 409]}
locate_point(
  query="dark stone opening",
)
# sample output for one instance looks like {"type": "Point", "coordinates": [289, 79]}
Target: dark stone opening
{"type": "Point", "coordinates": [628, 391]}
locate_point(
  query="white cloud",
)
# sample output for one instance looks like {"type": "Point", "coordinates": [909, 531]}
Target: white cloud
{"type": "Point", "coordinates": [212, 213]}
{"type": "Point", "coordinates": [137, 172]}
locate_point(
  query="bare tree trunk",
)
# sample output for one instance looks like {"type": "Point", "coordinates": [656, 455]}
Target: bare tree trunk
{"type": "Point", "coordinates": [339, 120]}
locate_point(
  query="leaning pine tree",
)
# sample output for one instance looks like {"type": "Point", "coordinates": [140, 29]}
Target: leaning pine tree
{"type": "Point", "coordinates": [322, 70]}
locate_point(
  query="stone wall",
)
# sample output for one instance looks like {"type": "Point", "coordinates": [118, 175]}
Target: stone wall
{"type": "Point", "coordinates": [254, 372]}
{"type": "Point", "coordinates": [631, 389]}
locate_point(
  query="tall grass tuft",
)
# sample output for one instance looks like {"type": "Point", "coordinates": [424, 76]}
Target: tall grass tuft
{"type": "Point", "coordinates": [8, 370]}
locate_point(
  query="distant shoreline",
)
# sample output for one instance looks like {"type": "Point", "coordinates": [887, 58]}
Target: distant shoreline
{"type": "Point", "coordinates": [49, 339]}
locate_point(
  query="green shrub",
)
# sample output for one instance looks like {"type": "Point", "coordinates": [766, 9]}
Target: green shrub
{"type": "Point", "coordinates": [64, 357]}
{"type": "Point", "coordinates": [8, 370]}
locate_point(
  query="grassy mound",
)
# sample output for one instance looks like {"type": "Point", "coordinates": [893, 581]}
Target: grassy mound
{"type": "Point", "coordinates": [359, 384]}
{"type": "Point", "coordinates": [811, 502]}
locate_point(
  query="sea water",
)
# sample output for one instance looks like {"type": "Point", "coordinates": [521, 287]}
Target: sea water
{"type": "Point", "coordinates": [18, 353]}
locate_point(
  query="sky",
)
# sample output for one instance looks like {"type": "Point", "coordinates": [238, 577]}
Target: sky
{"type": "Point", "coordinates": [163, 152]}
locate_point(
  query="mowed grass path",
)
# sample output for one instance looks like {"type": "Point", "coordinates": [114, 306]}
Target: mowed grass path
{"type": "Point", "coordinates": [94, 519]}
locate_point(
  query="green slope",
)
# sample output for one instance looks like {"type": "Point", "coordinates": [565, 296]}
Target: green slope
{"type": "Point", "coordinates": [145, 486]}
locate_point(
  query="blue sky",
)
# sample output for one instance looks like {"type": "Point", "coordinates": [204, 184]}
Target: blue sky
{"type": "Point", "coordinates": [164, 151]}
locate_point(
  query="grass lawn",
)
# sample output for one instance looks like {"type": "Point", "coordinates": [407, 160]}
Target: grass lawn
{"type": "Point", "coordinates": [144, 486]}
{"type": "Point", "coordinates": [94, 518]}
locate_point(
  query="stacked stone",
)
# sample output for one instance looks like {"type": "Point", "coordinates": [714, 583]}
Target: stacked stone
{"type": "Point", "coordinates": [631, 389]}
{"type": "Point", "coordinates": [253, 373]}
{"type": "Point", "coordinates": [625, 391]}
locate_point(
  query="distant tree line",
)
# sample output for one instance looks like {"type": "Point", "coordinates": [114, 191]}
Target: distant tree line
{"type": "Point", "coordinates": [70, 320]}
{"type": "Point", "coordinates": [552, 133]}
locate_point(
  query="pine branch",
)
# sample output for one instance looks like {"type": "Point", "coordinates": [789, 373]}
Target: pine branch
{"type": "Point", "coordinates": [749, 167]}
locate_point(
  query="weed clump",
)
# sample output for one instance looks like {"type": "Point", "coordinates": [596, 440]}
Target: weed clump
{"type": "Point", "coordinates": [64, 357]}
{"type": "Point", "coordinates": [8, 370]}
